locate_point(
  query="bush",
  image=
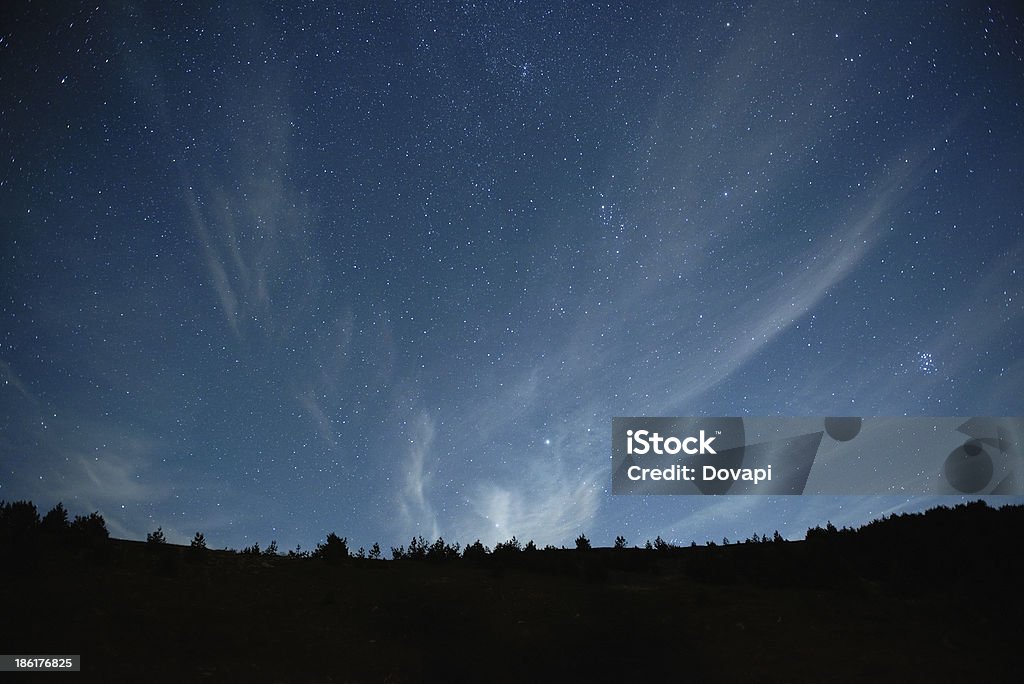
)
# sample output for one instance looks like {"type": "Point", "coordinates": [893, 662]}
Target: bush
{"type": "Point", "coordinates": [582, 543]}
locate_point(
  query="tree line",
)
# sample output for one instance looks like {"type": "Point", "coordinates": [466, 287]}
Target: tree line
{"type": "Point", "coordinates": [23, 530]}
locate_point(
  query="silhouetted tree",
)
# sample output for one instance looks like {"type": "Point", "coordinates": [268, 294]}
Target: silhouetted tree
{"type": "Point", "coordinates": [19, 537]}
{"type": "Point", "coordinates": [197, 549]}
{"type": "Point", "coordinates": [271, 550]}
{"type": "Point", "coordinates": [375, 551]}
{"type": "Point", "coordinates": [253, 550]}
{"type": "Point", "coordinates": [620, 542]}
{"type": "Point", "coordinates": [55, 522]}
{"type": "Point", "coordinates": [582, 543]}
{"type": "Point", "coordinates": [417, 548]}
{"type": "Point", "coordinates": [334, 550]}
{"type": "Point", "coordinates": [512, 546]}
{"type": "Point", "coordinates": [440, 551]}
{"type": "Point", "coordinates": [777, 537]}
{"type": "Point", "coordinates": [18, 520]}
{"type": "Point", "coordinates": [89, 530]}
{"type": "Point", "coordinates": [530, 547]}
{"type": "Point", "coordinates": [661, 545]}
{"type": "Point", "coordinates": [156, 537]}
{"type": "Point", "coordinates": [475, 551]}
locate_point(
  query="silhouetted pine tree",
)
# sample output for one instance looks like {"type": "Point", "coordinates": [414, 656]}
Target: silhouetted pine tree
{"type": "Point", "coordinates": [55, 523]}
{"type": "Point", "coordinates": [334, 550]}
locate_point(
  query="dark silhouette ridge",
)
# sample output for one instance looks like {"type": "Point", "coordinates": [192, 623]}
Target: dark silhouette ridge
{"type": "Point", "coordinates": [902, 598]}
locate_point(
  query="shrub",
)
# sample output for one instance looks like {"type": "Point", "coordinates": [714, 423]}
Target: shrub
{"type": "Point", "coordinates": [582, 543]}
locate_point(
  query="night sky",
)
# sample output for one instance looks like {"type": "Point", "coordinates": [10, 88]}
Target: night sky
{"type": "Point", "coordinates": [270, 272]}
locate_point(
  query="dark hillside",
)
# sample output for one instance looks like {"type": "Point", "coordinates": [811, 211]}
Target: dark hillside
{"type": "Point", "coordinates": [927, 597]}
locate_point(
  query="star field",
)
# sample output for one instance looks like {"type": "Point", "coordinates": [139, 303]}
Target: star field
{"type": "Point", "coordinates": [270, 272]}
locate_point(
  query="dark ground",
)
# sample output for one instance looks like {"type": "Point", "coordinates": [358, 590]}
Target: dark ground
{"type": "Point", "coordinates": [828, 609]}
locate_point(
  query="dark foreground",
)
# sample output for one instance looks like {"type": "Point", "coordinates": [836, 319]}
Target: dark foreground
{"type": "Point", "coordinates": [797, 611]}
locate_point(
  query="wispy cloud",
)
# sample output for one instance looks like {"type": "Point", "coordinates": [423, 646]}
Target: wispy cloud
{"type": "Point", "coordinates": [414, 503]}
{"type": "Point", "coordinates": [774, 309]}
{"type": "Point", "coordinates": [543, 505]}
{"type": "Point", "coordinates": [214, 263]}
{"type": "Point", "coordinates": [10, 379]}
{"type": "Point", "coordinates": [325, 428]}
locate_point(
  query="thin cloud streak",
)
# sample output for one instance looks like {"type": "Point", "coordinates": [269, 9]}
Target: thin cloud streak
{"type": "Point", "coordinates": [417, 513]}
